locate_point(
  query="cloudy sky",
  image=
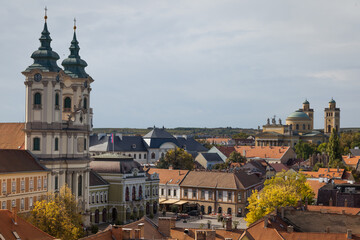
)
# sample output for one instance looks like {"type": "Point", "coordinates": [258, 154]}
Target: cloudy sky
{"type": "Point", "coordinates": [202, 63]}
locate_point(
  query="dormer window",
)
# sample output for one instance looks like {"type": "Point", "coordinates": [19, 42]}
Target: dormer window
{"type": "Point", "coordinates": [133, 146]}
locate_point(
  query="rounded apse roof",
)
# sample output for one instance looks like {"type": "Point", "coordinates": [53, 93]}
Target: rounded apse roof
{"type": "Point", "coordinates": [298, 115]}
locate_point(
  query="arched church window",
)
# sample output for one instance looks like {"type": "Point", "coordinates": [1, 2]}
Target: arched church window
{"type": "Point", "coordinates": [80, 185]}
{"type": "Point", "coordinates": [67, 104]}
{"type": "Point", "coordinates": [152, 155]}
{"type": "Point", "coordinates": [127, 194]}
{"type": "Point", "coordinates": [85, 103]}
{"type": "Point", "coordinates": [56, 101]}
{"type": "Point", "coordinates": [56, 144]}
{"type": "Point", "coordinates": [37, 99]}
{"type": "Point", "coordinates": [36, 144]}
{"type": "Point", "coordinates": [133, 193]}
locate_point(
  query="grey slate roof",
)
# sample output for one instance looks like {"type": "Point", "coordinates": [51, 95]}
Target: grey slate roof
{"type": "Point", "coordinates": [158, 133]}
{"type": "Point", "coordinates": [212, 157]}
{"type": "Point", "coordinates": [96, 179]}
{"type": "Point", "coordinates": [355, 152]}
{"type": "Point", "coordinates": [190, 144]}
{"type": "Point", "coordinates": [103, 143]}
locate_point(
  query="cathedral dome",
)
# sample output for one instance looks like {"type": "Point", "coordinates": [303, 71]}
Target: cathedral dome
{"type": "Point", "coordinates": [298, 115]}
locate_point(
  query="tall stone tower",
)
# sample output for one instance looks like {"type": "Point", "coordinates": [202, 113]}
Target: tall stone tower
{"type": "Point", "coordinates": [309, 111]}
{"type": "Point", "coordinates": [58, 116]}
{"type": "Point", "coordinates": [332, 117]}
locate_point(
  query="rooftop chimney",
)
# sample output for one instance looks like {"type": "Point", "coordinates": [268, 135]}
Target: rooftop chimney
{"type": "Point", "coordinates": [137, 233]}
{"type": "Point", "coordinates": [290, 229]}
{"type": "Point", "coordinates": [266, 221]}
{"type": "Point", "coordinates": [126, 233]}
{"type": "Point", "coordinates": [166, 224]}
{"type": "Point", "coordinates": [327, 229]}
{"type": "Point", "coordinates": [330, 202]}
{"type": "Point", "coordinates": [228, 226]}
{"type": "Point", "coordinates": [141, 227]}
{"type": "Point", "coordinates": [349, 234]}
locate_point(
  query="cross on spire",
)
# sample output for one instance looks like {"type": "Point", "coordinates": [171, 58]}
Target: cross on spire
{"type": "Point", "coordinates": [74, 24]}
{"type": "Point", "coordinates": [45, 17]}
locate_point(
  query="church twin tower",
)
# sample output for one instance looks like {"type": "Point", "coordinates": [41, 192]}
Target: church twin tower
{"type": "Point", "coordinates": [58, 116]}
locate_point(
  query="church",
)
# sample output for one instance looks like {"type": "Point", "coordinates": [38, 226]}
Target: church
{"type": "Point", "coordinates": [299, 126]}
{"type": "Point", "coordinates": [58, 117]}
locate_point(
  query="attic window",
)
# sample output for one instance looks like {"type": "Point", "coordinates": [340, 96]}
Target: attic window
{"type": "Point", "coordinates": [133, 146]}
{"type": "Point", "coordinates": [170, 180]}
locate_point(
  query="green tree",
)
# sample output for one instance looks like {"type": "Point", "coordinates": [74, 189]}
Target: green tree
{"type": "Point", "coordinates": [304, 150]}
{"type": "Point", "coordinates": [284, 189]}
{"type": "Point", "coordinates": [58, 215]}
{"type": "Point", "coordinates": [220, 166]}
{"type": "Point", "coordinates": [322, 148]}
{"type": "Point", "coordinates": [178, 159]}
{"type": "Point", "coordinates": [240, 135]}
{"type": "Point", "coordinates": [333, 149]}
{"type": "Point", "coordinates": [236, 157]}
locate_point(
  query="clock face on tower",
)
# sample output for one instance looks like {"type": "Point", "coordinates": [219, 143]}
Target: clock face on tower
{"type": "Point", "coordinates": [37, 77]}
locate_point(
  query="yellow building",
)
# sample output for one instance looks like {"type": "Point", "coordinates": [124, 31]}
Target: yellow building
{"type": "Point", "coordinates": [299, 126]}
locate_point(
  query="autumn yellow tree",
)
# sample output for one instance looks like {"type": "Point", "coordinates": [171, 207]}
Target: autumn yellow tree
{"type": "Point", "coordinates": [58, 215]}
{"type": "Point", "coordinates": [285, 189]}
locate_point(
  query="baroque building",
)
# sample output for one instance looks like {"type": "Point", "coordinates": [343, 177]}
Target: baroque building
{"type": "Point", "coordinates": [58, 117]}
{"type": "Point", "coordinates": [299, 126]}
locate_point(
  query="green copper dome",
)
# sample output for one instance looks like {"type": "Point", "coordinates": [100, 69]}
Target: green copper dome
{"type": "Point", "coordinates": [306, 102]}
{"type": "Point", "coordinates": [44, 58]}
{"type": "Point", "coordinates": [332, 101]}
{"type": "Point", "coordinates": [298, 114]}
{"type": "Point", "coordinates": [74, 65]}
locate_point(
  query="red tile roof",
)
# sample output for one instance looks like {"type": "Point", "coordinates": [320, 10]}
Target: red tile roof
{"type": "Point", "coordinates": [279, 167]}
{"type": "Point", "coordinates": [333, 209]}
{"type": "Point", "coordinates": [326, 173]}
{"type": "Point", "coordinates": [24, 229]}
{"type": "Point", "coordinates": [220, 234]}
{"type": "Point", "coordinates": [168, 176]}
{"type": "Point", "coordinates": [262, 151]}
{"type": "Point", "coordinates": [226, 150]}
{"type": "Point", "coordinates": [351, 160]}
{"type": "Point", "coordinates": [12, 136]}
{"type": "Point", "coordinates": [315, 186]}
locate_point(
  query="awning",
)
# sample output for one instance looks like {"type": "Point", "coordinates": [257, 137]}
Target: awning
{"type": "Point", "coordinates": [161, 200]}
{"type": "Point", "coordinates": [170, 201]}
{"type": "Point", "coordinates": [180, 202]}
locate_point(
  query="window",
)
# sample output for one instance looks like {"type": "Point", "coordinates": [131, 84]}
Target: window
{"type": "Point", "coordinates": [80, 185]}
{"type": "Point", "coordinates": [105, 197]}
{"type": "Point", "coordinates": [57, 101]}
{"type": "Point", "coordinates": [297, 126]}
{"type": "Point", "coordinates": [101, 197]}
{"type": "Point", "coordinates": [3, 205]}
{"type": "Point", "coordinates": [31, 184]}
{"type": "Point", "coordinates": [174, 192]}
{"type": "Point", "coordinates": [97, 198]}
{"type": "Point", "coordinates": [127, 194]}
{"type": "Point", "coordinates": [210, 195]}
{"type": "Point", "coordinates": [93, 198]}
{"type": "Point", "coordinates": [22, 204]}
{"type": "Point", "coordinates": [152, 155]}
{"type": "Point", "coordinates": [144, 156]}
{"type": "Point", "coordinates": [134, 155]}
{"type": "Point", "coordinates": [39, 183]}
{"type": "Point", "coordinates": [162, 192]}
{"type": "Point", "coordinates": [202, 194]}
{"type": "Point", "coordinates": [85, 146]}
{"type": "Point", "coordinates": [22, 185]}
{"type": "Point", "coordinates": [56, 183]}
{"type": "Point", "coordinates": [220, 195]}
{"type": "Point", "coordinates": [169, 192]}
{"type": "Point", "coordinates": [13, 186]}
{"type": "Point", "coordinates": [45, 182]}
{"type": "Point", "coordinates": [13, 203]}
{"type": "Point", "coordinates": [133, 193]}
{"type": "Point", "coordinates": [194, 191]}
{"type": "Point", "coordinates": [239, 197]}
{"type": "Point", "coordinates": [67, 104]}
{"type": "Point", "coordinates": [304, 127]}
{"type": "Point", "coordinates": [140, 192]}
{"type": "Point", "coordinates": [36, 144]}
{"type": "Point", "coordinates": [56, 144]}
{"type": "Point", "coordinates": [37, 100]}
{"type": "Point", "coordinates": [229, 196]}
{"type": "Point", "coordinates": [185, 193]}
{"type": "Point", "coordinates": [85, 103]}
{"type": "Point", "coordinates": [4, 187]}
{"type": "Point", "coordinates": [309, 126]}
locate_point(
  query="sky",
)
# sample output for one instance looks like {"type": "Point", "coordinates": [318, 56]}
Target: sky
{"type": "Point", "coordinates": [203, 63]}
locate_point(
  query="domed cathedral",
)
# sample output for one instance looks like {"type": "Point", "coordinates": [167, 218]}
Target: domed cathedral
{"type": "Point", "coordinates": [58, 117]}
{"type": "Point", "coordinates": [331, 117]}
{"type": "Point", "coordinates": [302, 120]}
{"type": "Point", "coordinates": [299, 126]}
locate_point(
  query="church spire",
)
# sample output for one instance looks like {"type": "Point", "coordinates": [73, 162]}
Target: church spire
{"type": "Point", "coordinates": [45, 58]}
{"type": "Point", "coordinates": [74, 65]}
